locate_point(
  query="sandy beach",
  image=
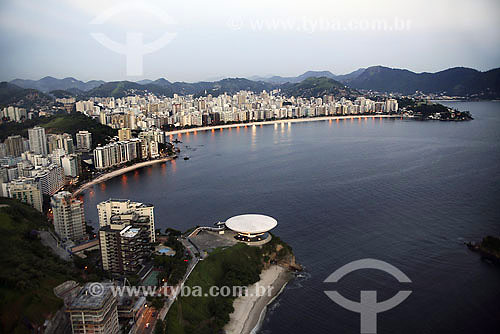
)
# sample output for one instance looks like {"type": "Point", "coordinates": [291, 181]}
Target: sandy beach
{"type": "Point", "coordinates": [118, 172]}
{"type": "Point", "coordinates": [248, 310]}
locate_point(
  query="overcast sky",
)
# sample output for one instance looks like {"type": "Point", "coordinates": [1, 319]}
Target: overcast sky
{"type": "Point", "coordinates": [209, 39]}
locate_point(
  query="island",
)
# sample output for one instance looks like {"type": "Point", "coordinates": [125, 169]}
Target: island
{"type": "Point", "coordinates": [489, 248]}
{"type": "Point", "coordinates": [427, 110]}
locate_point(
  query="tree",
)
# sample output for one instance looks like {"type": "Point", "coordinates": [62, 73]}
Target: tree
{"type": "Point", "coordinates": [157, 303]}
{"type": "Point", "coordinates": [160, 328]}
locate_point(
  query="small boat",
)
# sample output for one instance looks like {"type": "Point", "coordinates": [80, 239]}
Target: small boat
{"type": "Point", "coordinates": [186, 158]}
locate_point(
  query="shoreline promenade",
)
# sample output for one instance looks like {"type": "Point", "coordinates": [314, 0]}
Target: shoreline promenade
{"type": "Point", "coordinates": [112, 174]}
{"type": "Point", "coordinates": [278, 121]}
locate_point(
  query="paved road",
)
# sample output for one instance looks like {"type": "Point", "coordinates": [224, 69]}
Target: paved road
{"type": "Point", "coordinates": [146, 318]}
{"type": "Point", "coordinates": [192, 264]}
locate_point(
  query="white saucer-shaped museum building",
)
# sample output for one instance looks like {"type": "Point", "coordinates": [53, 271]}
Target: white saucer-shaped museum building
{"type": "Point", "coordinates": [251, 227]}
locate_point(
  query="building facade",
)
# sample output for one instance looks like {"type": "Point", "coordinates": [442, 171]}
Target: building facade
{"type": "Point", "coordinates": [94, 313]}
{"type": "Point", "coordinates": [84, 141]}
{"type": "Point", "coordinates": [123, 247]}
{"type": "Point", "coordinates": [38, 140]}
{"type": "Point", "coordinates": [69, 218]}
{"type": "Point", "coordinates": [26, 191]}
{"type": "Point", "coordinates": [14, 146]}
{"type": "Point", "coordinates": [117, 208]}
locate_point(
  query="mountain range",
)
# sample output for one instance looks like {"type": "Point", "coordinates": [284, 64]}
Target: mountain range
{"type": "Point", "coordinates": [457, 81]}
{"type": "Point", "coordinates": [48, 84]}
{"type": "Point", "coordinates": [309, 74]}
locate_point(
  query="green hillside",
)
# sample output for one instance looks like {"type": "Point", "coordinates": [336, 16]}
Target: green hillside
{"type": "Point", "coordinates": [12, 95]}
{"type": "Point", "coordinates": [236, 266]}
{"type": "Point", "coordinates": [317, 87]}
{"type": "Point", "coordinates": [28, 270]}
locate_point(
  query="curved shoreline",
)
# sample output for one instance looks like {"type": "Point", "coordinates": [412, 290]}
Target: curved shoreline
{"type": "Point", "coordinates": [124, 170]}
{"type": "Point", "coordinates": [263, 312]}
{"type": "Point", "coordinates": [118, 172]}
{"type": "Point", "coordinates": [249, 311]}
{"type": "Point", "coordinates": [278, 121]}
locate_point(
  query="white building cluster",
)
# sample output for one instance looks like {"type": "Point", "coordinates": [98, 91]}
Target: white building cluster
{"type": "Point", "coordinates": [43, 161]}
{"type": "Point", "coordinates": [146, 112]}
{"type": "Point", "coordinates": [120, 152]}
{"type": "Point", "coordinates": [15, 114]}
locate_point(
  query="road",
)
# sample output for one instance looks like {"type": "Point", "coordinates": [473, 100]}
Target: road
{"type": "Point", "coordinates": [192, 264]}
{"type": "Point", "coordinates": [146, 317]}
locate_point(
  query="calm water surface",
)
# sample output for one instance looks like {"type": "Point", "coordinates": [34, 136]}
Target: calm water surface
{"type": "Point", "coordinates": [409, 193]}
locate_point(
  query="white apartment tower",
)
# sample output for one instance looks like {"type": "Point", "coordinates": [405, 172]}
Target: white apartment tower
{"type": "Point", "coordinates": [69, 219]}
{"type": "Point", "coordinates": [38, 140]}
{"type": "Point", "coordinates": [115, 207]}
{"type": "Point", "coordinates": [69, 164]}
{"type": "Point", "coordinates": [27, 192]}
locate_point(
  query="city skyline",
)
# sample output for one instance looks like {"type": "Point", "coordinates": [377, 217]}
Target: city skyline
{"type": "Point", "coordinates": [279, 38]}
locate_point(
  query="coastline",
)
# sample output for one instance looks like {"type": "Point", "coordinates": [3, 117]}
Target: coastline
{"type": "Point", "coordinates": [278, 121]}
{"type": "Point", "coordinates": [249, 311]}
{"type": "Point", "coordinates": [119, 172]}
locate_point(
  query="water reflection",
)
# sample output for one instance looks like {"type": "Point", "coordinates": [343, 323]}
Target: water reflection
{"type": "Point", "coordinates": [124, 181]}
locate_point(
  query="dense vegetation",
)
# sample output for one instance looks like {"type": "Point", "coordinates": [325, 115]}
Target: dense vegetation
{"type": "Point", "coordinates": [317, 87]}
{"type": "Point", "coordinates": [239, 265]}
{"type": "Point", "coordinates": [48, 84]}
{"type": "Point", "coordinates": [28, 270]}
{"type": "Point", "coordinates": [428, 109]}
{"type": "Point", "coordinates": [12, 95]}
{"type": "Point", "coordinates": [459, 81]}
{"type": "Point", "coordinates": [166, 88]}
{"type": "Point", "coordinates": [431, 110]}
{"type": "Point", "coordinates": [60, 123]}
{"type": "Point", "coordinates": [173, 267]}
{"type": "Point", "coordinates": [491, 245]}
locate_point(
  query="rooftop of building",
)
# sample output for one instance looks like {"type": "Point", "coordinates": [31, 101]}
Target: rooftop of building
{"type": "Point", "coordinates": [121, 200]}
{"type": "Point", "coordinates": [251, 223]}
{"type": "Point", "coordinates": [89, 298]}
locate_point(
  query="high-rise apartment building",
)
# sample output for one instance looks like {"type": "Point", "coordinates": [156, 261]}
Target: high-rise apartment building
{"type": "Point", "coordinates": [117, 208]}
{"type": "Point", "coordinates": [50, 178]}
{"type": "Point", "coordinates": [69, 219]}
{"type": "Point", "coordinates": [69, 164]}
{"type": "Point", "coordinates": [124, 134]}
{"type": "Point", "coordinates": [38, 140]}
{"type": "Point", "coordinates": [124, 247]}
{"type": "Point", "coordinates": [117, 153]}
{"type": "Point", "coordinates": [26, 191]}
{"type": "Point", "coordinates": [96, 313]}
{"type": "Point", "coordinates": [14, 146]}
{"type": "Point", "coordinates": [84, 141]}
